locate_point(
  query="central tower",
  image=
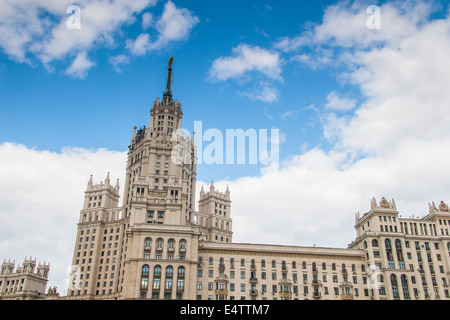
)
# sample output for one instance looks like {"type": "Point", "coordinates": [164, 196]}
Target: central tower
{"type": "Point", "coordinates": [155, 182]}
{"type": "Point", "coordinates": [148, 247]}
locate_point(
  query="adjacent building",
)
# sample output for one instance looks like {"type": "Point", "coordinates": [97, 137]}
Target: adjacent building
{"type": "Point", "coordinates": [24, 282]}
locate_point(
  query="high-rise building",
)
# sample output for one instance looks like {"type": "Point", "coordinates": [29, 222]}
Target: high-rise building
{"type": "Point", "coordinates": [157, 246]}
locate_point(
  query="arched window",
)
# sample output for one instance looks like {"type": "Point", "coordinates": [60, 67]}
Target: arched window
{"type": "Point", "coordinates": [181, 272]}
{"type": "Point", "coordinates": [353, 268]}
{"type": "Point", "coordinates": [211, 260]}
{"type": "Point", "coordinates": [294, 265]}
{"type": "Point", "coordinates": [157, 271]}
{"type": "Point", "coordinates": [405, 288]}
{"type": "Point", "coordinates": [389, 256]}
{"type": "Point", "coordinates": [283, 265]}
{"type": "Point", "coordinates": [274, 264]}
{"type": "Point", "coordinates": [324, 266]}
{"type": "Point", "coordinates": [333, 266]}
{"type": "Point", "coordinates": [304, 265]}
{"type": "Point", "coordinates": [242, 263]}
{"type": "Point", "coordinates": [365, 244]}
{"type": "Point", "coordinates": [252, 263]}
{"type": "Point", "coordinates": [171, 244]}
{"type": "Point", "coordinates": [147, 243]}
{"type": "Point", "coordinates": [387, 243]}
{"type": "Point", "coordinates": [263, 263]}
{"type": "Point", "coordinates": [159, 244]}
{"type": "Point", "coordinates": [183, 245]}
{"type": "Point", "coordinates": [232, 262]}
{"type": "Point", "coordinates": [394, 287]}
{"type": "Point", "coordinates": [314, 266]}
{"type": "Point", "coordinates": [144, 277]}
{"type": "Point", "coordinates": [398, 246]}
{"type": "Point", "coordinates": [374, 243]}
{"type": "Point", "coordinates": [145, 269]}
{"type": "Point", "coordinates": [169, 272]}
{"type": "Point", "coordinates": [200, 260]}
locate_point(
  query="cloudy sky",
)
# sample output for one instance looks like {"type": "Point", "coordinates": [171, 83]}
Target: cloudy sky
{"type": "Point", "coordinates": [361, 111]}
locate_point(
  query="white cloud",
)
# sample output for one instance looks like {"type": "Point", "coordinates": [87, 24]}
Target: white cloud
{"type": "Point", "coordinates": [119, 60]}
{"type": "Point", "coordinates": [36, 31]}
{"type": "Point", "coordinates": [80, 65]}
{"type": "Point", "coordinates": [140, 46]}
{"type": "Point", "coordinates": [247, 62]}
{"type": "Point", "coordinates": [338, 103]}
{"type": "Point", "coordinates": [147, 20]}
{"type": "Point", "coordinates": [175, 24]}
{"type": "Point", "coordinates": [287, 114]}
{"type": "Point", "coordinates": [41, 196]}
{"type": "Point", "coordinates": [262, 91]}
{"type": "Point", "coordinates": [246, 59]}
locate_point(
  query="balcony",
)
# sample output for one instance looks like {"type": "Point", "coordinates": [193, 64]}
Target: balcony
{"type": "Point", "coordinates": [253, 267]}
{"type": "Point", "coordinates": [346, 297]}
{"type": "Point", "coordinates": [253, 280]}
{"type": "Point", "coordinates": [346, 284]}
{"type": "Point", "coordinates": [317, 295]}
{"type": "Point", "coordinates": [253, 292]}
{"type": "Point", "coordinates": [221, 292]}
{"type": "Point", "coordinates": [285, 294]}
{"type": "Point", "coordinates": [316, 282]}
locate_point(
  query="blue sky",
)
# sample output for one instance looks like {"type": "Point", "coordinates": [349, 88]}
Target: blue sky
{"type": "Point", "coordinates": [49, 110]}
{"type": "Point", "coordinates": [362, 112]}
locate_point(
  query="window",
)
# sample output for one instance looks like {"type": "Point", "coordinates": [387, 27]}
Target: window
{"type": "Point", "coordinates": [169, 271]}
{"type": "Point", "coordinates": [394, 287]}
{"type": "Point", "coordinates": [183, 245]}
{"type": "Point", "coordinates": [157, 271]}
{"type": "Point", "coordinates": [145, 269]}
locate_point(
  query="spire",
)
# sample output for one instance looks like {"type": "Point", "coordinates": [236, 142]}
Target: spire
{"type": "Point", "coordinates": [107, 179]}
{"type": "Point", "coordinates": [168, 93]}
{"type": "Point", "coordinates": [90, 183]}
